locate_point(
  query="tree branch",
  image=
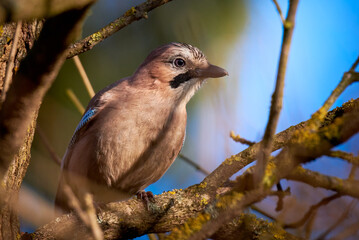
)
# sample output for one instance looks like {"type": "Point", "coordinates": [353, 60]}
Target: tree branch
{"type": "Point", "coordinates": [129, 219]}
{"type": "Point", "coordinates": [238, 138]}
{"type": "Point", "coordinates": [312, 210]}
{"type": "Point", "coordinates": [279, 11]}
{"type": "Point", "coordinates": [349, 157]}
{"type": "Point", "coordinates": [36, 74]}
{"type": "Point", "coordinates": [277, 97]}
{"type": "Point", "coordinates": [133, 14]}
{"type": "Point", "coordinates": [316, 179]}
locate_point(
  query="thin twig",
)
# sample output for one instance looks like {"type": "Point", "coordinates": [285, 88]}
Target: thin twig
{"type": "Point", "coordinates": [310, 224]}
{"type": "Point", "coordinates": [91, 213]}
{"type": "Point", "coordinates": [277, 96]}
{"type": "Point", "coordinates": [281, 194]}
{"type": "Point", "coordinates": [84, 77]}
{"type": "Point", "coordinates": [11, 62]}
{"type": "Point", "coordinates": [193, 164]}
{"type": "Point", "coordinates": [87, 217]}
{"type": "Point", "coordinates": [316, 179]}
{"type": "Point", "coordinates": [152, 236]}
{"type": "Point", "coordinates": [345, 156]}
{"type": "Point", "coordinates": [239, 139]}
{"type": "Point", "coordinates": [312, 211]}
{"type": "Point", "coordinates": [133, 14]}
{"type": "Point", "coordinates": [349, 231]}
{"type": "Point", "coordinates": [352, 173]}
{"type": "Point", "coordinates": [347, 79]}
{"type": "Point", "coordinates": [355, 64]}
{"type": "Point", "coordinates": [279, 12]}
{"type": "Point", "coordinates": [264, 213]}
{"type": "Point", "coordinates": [75, 101]}
{"type": "Point", "coordinates": [339, 220]}
{"type": "Point", "coordinates": [47, 145]}
{"type": "Point", "coordinates": [161, 236]}
{"type": "Point", "coordinates": [76, 205]}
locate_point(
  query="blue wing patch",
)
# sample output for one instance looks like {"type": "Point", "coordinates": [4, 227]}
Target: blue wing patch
{"type": "Point", "coordinates": [85, 119]}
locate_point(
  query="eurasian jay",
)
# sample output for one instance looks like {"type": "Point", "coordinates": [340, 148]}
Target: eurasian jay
{"type": "Point", "coordinates": [133, 129]}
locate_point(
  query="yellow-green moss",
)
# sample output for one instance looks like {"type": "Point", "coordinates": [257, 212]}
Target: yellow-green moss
{"type": "Point", "coordinates": [332, 132]}
{"type": "Point", "coordinates": [96, 37]}
{"type": "Point", "coordinates": [202, 185]}
{"type": "Point", "coordinates": [174, 191]}
{"type": "Point", "coordinates": [130, 12]}
{"type": "Point", "coordinates": [230, 160]}
{"type": "Point", "coordinates": [229, 200]}
{"type": "Point", "coordinates": [269, 176]}
{"type": "Point", "coordinates": [191, 226]}
{"type": "Point", "coordinates": [288, 24]}
{"type": "Point", "coordinates": [204, 201]}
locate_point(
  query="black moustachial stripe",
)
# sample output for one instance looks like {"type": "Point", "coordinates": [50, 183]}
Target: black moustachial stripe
{"type": "Point", "coordinates": [181, 78]}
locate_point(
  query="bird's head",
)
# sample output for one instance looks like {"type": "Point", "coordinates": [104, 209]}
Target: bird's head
{"type": "Point", "coordinates": [178, 69]}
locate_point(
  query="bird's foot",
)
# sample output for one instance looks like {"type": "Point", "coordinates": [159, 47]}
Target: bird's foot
{"type": "Point", "coordinates": [146, 197]}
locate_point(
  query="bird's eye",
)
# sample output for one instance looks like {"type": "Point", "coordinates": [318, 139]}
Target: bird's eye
{"type": "Point", "coordinates": [179, 62]}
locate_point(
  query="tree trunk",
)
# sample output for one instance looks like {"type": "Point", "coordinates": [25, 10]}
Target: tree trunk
{"type": "Point", "coordinates": [13, 176]}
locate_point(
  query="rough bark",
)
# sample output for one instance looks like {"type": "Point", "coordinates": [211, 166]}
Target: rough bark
{"type": "Point", "coordinates": [14, 175]}
{"type": "Point", "coordinates": [19, 111]}
{"type": "Point", "coordinates": [36, 74]}
{"type": "Point", "coordinates": [125, 220]}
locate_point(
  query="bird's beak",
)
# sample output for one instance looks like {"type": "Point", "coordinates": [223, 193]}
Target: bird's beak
{"type": "Point", "coordinates": [211, 71]}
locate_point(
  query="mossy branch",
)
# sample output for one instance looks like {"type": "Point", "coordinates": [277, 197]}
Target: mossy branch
{"type": "Point", "coordinates": [133, 14]}
{"type": "Point", "coordinates": [311, 146]}
{"type": "Point", "coordinates": [129, 219]}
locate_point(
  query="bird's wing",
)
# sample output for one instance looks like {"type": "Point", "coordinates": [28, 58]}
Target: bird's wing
{"type": "Point", "coordinates": [94, 107]}
{"type": "Point", "coordinates": [86, 118]}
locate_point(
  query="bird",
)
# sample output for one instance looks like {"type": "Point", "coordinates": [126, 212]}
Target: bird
{"type": "Point", "coordinates": [133, 129]}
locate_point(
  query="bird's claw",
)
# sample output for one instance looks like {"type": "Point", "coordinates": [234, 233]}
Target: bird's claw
{"type": "Point", "coordinates": [146, 197]}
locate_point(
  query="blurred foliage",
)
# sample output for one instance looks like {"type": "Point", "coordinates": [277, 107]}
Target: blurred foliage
{"type": "Point", "coordinates": [211, 25]}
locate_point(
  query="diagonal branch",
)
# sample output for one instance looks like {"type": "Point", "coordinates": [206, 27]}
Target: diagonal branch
{"type": "Point", "coordinates": [312, 210]}
{"type": "Point", "coordinates": [339, 220]}
{"type": "Point", "coordinates": [279, 11]}
{"type": "Point", "coordinates": [316, 179]}
{"type": "Point", "coordinates": [133, 14]}
{"type": "Point", "coordinates": [349, 157]}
